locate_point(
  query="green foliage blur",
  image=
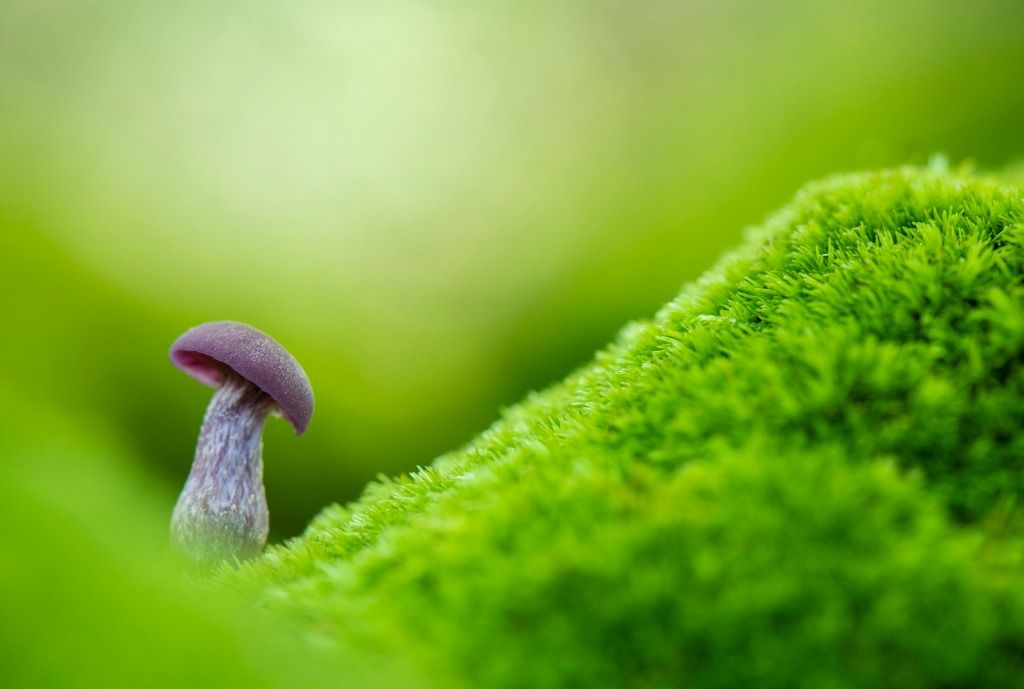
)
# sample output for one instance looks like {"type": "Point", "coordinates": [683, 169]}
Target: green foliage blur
{"type": "Point", "coordinates": [435, 207]}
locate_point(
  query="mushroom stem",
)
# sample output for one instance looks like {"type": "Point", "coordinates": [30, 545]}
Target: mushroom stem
{"type": "Point", "coordinates": [222, 511]}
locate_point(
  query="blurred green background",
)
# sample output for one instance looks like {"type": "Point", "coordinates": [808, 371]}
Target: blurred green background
{"type": "Point", "coordinates": [435, 206]}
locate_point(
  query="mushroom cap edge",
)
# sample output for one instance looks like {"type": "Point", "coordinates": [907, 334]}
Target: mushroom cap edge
{"type": "Point", "coordinates": [204, 351]}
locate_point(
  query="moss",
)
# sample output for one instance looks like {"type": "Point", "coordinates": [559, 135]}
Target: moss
{"type": "Point", "coordinates": [803, 472]}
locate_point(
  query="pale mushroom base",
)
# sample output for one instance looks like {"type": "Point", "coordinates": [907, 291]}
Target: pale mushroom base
{"type": "Point", "coordinates": [222, 511]}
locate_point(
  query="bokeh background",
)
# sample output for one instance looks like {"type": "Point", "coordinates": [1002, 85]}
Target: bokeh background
{"type": "Point", "coordinates": [435, 206]}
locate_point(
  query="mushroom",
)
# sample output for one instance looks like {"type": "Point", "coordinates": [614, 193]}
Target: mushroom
{"type": "Point", "coordinates": [222, 511]}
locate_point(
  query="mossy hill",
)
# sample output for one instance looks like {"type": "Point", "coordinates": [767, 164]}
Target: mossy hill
{"type": "Point", "coordinates": [804, 471]}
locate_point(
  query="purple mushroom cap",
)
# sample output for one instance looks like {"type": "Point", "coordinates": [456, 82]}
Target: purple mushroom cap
{"type": "Point", "coordinates": [205, 351]}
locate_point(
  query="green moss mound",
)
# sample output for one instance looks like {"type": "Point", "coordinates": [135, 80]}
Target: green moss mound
{"type": "Point", "coordinates": [804, 472]}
